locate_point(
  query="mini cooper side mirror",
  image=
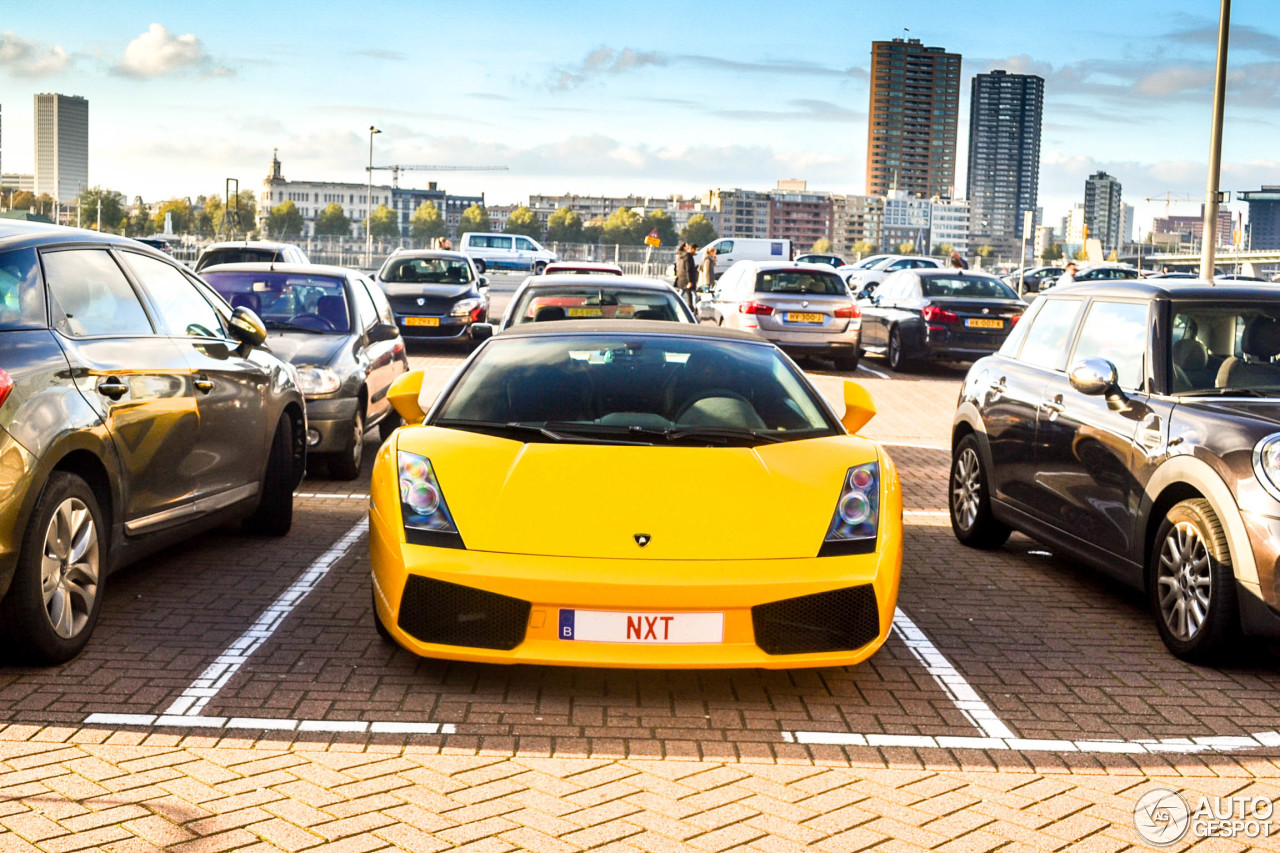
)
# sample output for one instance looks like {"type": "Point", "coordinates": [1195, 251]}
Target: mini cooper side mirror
{"type": "Point", "coordinates": [1093, 376]}
{"type": "Point", "coordinates": [247, 328]}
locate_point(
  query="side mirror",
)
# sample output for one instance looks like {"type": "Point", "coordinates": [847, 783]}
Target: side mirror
{"type": "Point", "coordinates": [247, 328]}
{"type": "Point", "coordinates": [404, 393]}
{"type": "Point", "coordinates": [482, 281]}
{"type": "Point", "coordinates": [859, 408]}
{"type": "Point", "coordinates": [481, 331]}
{"type": "Point", "coordinates": [383, 332]}
{"type": "Point", "coordinates": [1093, 376]}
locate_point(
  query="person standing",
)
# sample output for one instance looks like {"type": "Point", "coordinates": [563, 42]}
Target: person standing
{"type": "Point", "coordinates": [691, 273]}
{"type": "Point", "coordinates": [707, 272]}
{"type": "Point", "coordinates": [958, 262]}
{"type": "Point", "coordinates": [1068, 277]}
{"type": "Point", "coordinates": [682, 268]}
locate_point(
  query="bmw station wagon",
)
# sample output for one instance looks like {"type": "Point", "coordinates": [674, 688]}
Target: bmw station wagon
{"type": "Point", "coordinates": [1136, 427]}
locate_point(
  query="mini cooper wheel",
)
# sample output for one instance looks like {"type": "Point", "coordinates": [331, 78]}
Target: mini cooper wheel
{"type": "Point", "coordinates": [1191, 583]}
{"type": "Point", "coordinates": [346, 465]}
{"type": "Point", "coordinates": [969, 499]}
{"type": "Point", "coordinates": [274, 515]}
{"type": "Point", "coordinates": [56, 594]}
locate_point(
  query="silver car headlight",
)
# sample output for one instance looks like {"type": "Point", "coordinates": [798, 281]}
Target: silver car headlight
{"type": "Point", "coordinates": [317, 380]}
{"type": "Point", "coordinates": [1266, 464]}
{"type": "Point", "coordinates": [463, 307]}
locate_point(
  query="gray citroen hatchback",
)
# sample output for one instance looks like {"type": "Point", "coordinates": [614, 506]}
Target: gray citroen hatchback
{"type": "Point", "coordinates": [136, 408]}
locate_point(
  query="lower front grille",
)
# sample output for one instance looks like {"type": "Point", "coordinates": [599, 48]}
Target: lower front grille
{"type": "Point", "coordinates": [435, 611]}
{"type": "Point", "coordinates": [435, 305]}
{"type": "Point", "coordinates": [838, 621]}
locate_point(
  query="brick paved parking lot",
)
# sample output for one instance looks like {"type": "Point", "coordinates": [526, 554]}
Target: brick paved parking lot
{"type": "Point", "coordinates": [235, 695]}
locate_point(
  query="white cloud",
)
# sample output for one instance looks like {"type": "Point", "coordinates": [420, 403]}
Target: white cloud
{"type": "Point", "coordinates": [23, 58]}
{"type": "Point", "coordinates": [158, 52]}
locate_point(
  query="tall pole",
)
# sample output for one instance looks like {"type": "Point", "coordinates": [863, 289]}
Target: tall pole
{"type": "Point", "coordinates": [1208, 241]}
{"type": "Point", "coordinates": [368, 206]}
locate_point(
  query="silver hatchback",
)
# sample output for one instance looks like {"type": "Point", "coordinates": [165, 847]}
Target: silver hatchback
{"type": "Point", "coordinates": [806, 309]}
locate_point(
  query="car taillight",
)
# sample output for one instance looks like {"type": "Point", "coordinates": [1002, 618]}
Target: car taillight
{"type": "Point", "coordinates": [754, 308]}
{"type": "Point", "coordinates": [851, 312]}
{"type": "Point", "coordinates": [934, 314]}
{"type": "Point", "coordinates": [6, 385]}
{"type": "Point", "coordinates": [477, 314]}
{"type": "Point", "coordinates": [1013, 321]}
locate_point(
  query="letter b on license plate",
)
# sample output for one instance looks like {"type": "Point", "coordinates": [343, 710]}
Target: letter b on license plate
{"type": "Point", "coordinates": [612, 626]}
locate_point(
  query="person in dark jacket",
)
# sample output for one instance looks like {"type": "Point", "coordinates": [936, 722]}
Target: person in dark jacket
{"type": "Point", "coordinates": [682, 271]}
{"type": "Point", "coordinates": [690, 273]}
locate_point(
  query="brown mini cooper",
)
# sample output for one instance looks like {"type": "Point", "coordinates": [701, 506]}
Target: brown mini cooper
{"type": "Point", "coordinates": [1136, 427]}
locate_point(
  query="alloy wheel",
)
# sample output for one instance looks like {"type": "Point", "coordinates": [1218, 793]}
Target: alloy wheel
{"type": "Point", "coordinates": [966, 483]}
{"type": "Point", "coordinates": [69, 568]}
{"type": "Point", "coordinates": [1185, 580]}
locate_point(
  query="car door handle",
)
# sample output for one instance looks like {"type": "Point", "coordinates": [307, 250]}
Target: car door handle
{"type": "Point", "coordinates": [203, 384]}
{"type": "Point", "coordinates": [1053, 406]}
{"type": "Point", "coordinates": [112, 387]}
{"type": "Point", "coordinates": [998, 387]}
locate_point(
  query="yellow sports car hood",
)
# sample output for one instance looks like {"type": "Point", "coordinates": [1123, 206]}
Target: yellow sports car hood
{"type": "Point", "coordinates": [594, 500]}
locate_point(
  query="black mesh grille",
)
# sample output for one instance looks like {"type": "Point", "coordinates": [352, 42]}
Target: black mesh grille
{"type": "Point", "coordinates": [435, 611]}
{"type": "Point", "coordinates": [432, 305]}
{"type": "Point", "coordinates": [837, 621]}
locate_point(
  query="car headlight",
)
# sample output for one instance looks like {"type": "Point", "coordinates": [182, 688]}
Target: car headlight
{"type": "Point", "coordinates": [317, 380]}
{"type": "Point", "coordinates": [1266, 464]}
{"type": "Point", "coordinates": [427, 520]}
{"type": "Point", "coordinates": [463, 307]}
{"type": "Point", "coordinates": [856, 520]}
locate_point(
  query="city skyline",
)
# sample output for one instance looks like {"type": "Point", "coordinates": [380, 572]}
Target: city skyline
{"type": "Point", "coordinates": [591, 101]}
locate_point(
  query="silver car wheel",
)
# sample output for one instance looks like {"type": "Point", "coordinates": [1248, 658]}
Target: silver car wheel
{"type": "Point", "coordinates": [69, 568]}
{"type": "Point", "coordinates": [966, 485]}
{"type": "Point", "coordinates": [1185, 580]}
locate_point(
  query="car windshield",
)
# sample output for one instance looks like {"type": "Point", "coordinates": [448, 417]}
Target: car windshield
{"type": "Point", "coordinates": [237, 255]}
{"type": "Point", "coordinates": [595, 303]}
{"type": "Point", "coordinates": [643, 389]}
{"type": "Point", "coordinates": [800, 281]}
{"type": "Point", "coordinates": [1226, 348]}
{"type": "Point", "coordinates": [288, 301]}
{"type": "Point", "coordinates": [427, 271]}
{"type": "Point", "coordinates": [966, 287]}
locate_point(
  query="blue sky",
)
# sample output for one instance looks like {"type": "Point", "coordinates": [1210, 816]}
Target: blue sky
{"type": "Point", "coordinates": [615, 98]}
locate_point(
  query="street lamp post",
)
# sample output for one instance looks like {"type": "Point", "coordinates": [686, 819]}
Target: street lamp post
{"type": "Point", "coordinates": [368, 206]}
{"type": "Point", "coordinates": [1208, 242]}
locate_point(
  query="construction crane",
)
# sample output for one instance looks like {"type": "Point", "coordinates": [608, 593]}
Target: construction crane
{"type": "Point", "coordinates": [1168, 198]}
{"type": "Point", "coordinates": [396, 170]}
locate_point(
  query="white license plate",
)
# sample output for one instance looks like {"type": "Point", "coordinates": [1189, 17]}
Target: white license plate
{"type": "Point", "coordinates": [614, 626]}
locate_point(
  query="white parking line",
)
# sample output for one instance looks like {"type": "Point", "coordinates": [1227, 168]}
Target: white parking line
{"type": "Point", "coordinates": [350, 496]}
{"type": "Point", "coordinates": [194, 699]}
{"type": "Point", "coordinates": [874, 372]}
{"type": "Point", "coordinates": [958, 690]}
{"type": "Point", "coordinates": [268, 724]}
{"type": "Point", "coordinates": [1163, 745]}
{"type": "Point", "coordinates": [916, 445]}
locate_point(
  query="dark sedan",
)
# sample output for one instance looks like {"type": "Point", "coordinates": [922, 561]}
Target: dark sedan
{"type": "Point", "coordinates": [918, 314]}
{"type": "Point", "coordinates": [435, 295]}
{"type": "Point", "coordinates": [136, 409]}
{"type": "Point", "coordinates": [1136, 426]}
{"type": "Point", "coordinates": [337, 329]}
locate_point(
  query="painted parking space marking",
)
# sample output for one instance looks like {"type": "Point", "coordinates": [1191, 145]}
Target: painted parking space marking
{"type": "Point", "coordinates": [194, 699]}
{"type": "Point", "coordinates": [1181, 746]}
{"type": "Point", "coordinates": [874, 372]}
{"type": "Point", "coordinates": [347, 496]}
{"type": "Point", "coordinates": [269, 724]}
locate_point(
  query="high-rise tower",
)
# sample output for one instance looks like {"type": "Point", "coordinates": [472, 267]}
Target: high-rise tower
{"type": "Point", "coordinates": [911, 122]}
{"type": "Point", "coordinates": [1005, 112]}
{"type": "Point", "coordinates": [62, 145]}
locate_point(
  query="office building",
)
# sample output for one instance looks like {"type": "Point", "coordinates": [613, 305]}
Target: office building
{"type": "Point", "coordinates": [743, 213]}
{"type": "Point", "coordinates": [911, 124]}
{"type": "Point", "coordinates": [1103, 210]}
{"type": "Point", "coordinates": [62, 146]}
{"type": "Point", "coordinates": [905, 224]}
{"type": "Point", "coordinates": [1264, 217]}
{"type": "Point", "coordinates": [949, 224]}
{"type": "Point", "coordinates": [1005, 112]}
{"type": "Point", "coordinates": [856, 219]}
{"type": "Point", "coordinates": [800, 215]}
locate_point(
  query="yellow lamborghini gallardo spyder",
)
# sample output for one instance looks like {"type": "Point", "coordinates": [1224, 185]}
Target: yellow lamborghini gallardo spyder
{"type": "Point", "coordinates": [633, 494]}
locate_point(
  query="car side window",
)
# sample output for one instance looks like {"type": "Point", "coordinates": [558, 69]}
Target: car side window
{"type": "Point", "coordinates": [182, 308]}
{"type": "Point", "coordinates": [900, 265]}
{"type": "Point", "coordinates": [1117, 332]}
{"type": "Point", "coordinates": [500, 243]}
{"type": "Point", "coordinates": [724, 246]}
{"type": "Point", "coordinates": [92, 296]}
{"type": "Point", "coordinates": [385, 314]}
{"type": "Point", "coordinates": [1045, 344]}
{"type": "Point", "coordinates": [366, 314]}
{"type": "Point", "coordinates": [21, 296]}
{"type": "Point", "coordinates": [523, 245]}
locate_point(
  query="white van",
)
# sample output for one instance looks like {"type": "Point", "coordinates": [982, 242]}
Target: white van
{"type": "Point", "coordinates": [730, 250]}
{"type": "Point", "coordinates": [506, 252]}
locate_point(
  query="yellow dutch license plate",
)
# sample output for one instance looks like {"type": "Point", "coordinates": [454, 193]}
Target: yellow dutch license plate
{"type": "Point", "coordinates": [422, 321]}
{"type": "Point", "coordinates": [798, 317]}
{"type": "Point", "coordinates": [980, 323]}
{"type": "Point", "coordinates": [583, 312]}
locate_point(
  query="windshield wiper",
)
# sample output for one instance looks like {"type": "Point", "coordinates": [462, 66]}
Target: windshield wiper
{"type": "Point", "coordinates": [280, 324]}
{"type": "Point", "coordinates": [511, 429]}
{"type": "Point", "coordinates": [724, 435]}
